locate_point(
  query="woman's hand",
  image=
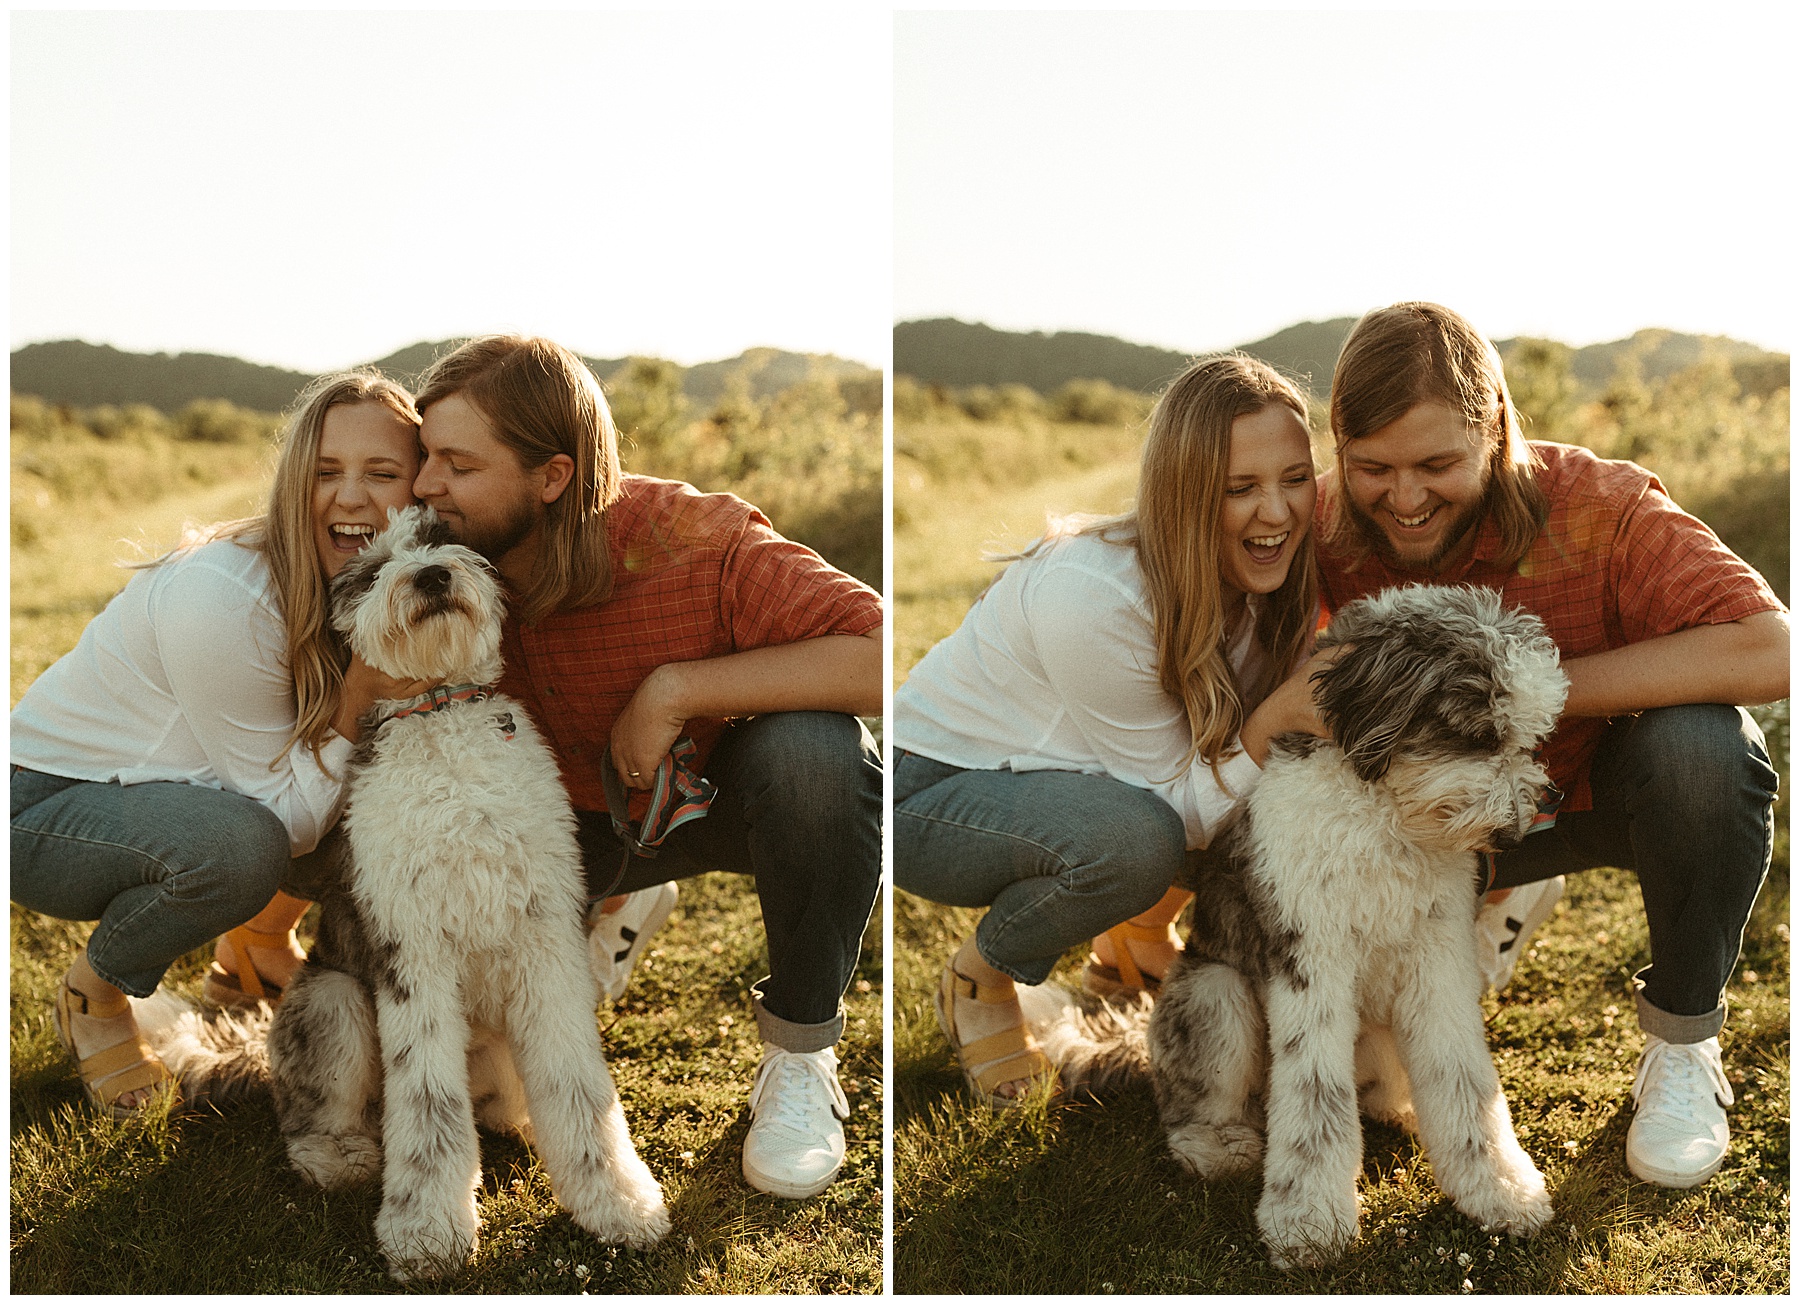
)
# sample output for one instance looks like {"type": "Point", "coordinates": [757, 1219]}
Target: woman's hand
{"type": "Point", "coordinates": [364, 686]}
{"type": "Point", "coordinates": [1290, 709]}
{"type": "Point", "coordinates": [648, 727]}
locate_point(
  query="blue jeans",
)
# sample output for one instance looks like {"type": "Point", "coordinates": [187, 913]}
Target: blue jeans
{"type": "Point", "coordinates": [799, 809]}
{"type": "Point", "coordinates": [1057, 856]}
{"type": "Point", "coordinates": [1684, 797]}
{"type": "Point", "coordinates": [163, 867]}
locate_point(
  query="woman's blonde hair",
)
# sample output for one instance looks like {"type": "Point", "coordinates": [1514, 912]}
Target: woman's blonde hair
{"type": "Point", "coordinates": [1398, 357]}
{"type": "Point", "coordinates": [541, 400]}
{"type": "Point", "coordinates": [316, 654]}
{"type": "Point", "coordinates": [1174, 529]}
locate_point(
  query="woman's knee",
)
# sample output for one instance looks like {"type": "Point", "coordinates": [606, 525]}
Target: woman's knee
{"type": "Point", "coordinates": [235, 857]}
{"type": "Point", "coordinates": [1134, 847]}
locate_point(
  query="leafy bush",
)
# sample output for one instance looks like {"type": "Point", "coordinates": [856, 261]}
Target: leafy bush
{"type": "Point", "coordinates": [1712, 433]}
{"type": "Point", "coordinates": [64, 458]}
{"type": "Point", "coordinates": [1098, 403]}
{"type": "Point", "coordinates": [809, 456]}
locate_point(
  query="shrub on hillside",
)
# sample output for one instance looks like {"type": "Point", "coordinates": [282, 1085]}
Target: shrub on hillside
{"type": "Point", "coordinates": [216, 421]}
{"type": "Point", "coordinates": [1097, 403]}
{"type": "Point", "coordinates": [809, 456]}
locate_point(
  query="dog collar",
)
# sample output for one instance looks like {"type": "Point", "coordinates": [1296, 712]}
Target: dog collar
{"type": "Point", "coordinates": [439, 698]}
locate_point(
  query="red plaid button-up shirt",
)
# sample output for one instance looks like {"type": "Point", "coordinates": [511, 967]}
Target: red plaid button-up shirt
{"type": "Point", "coordinates": [1617, 563]}
{"type": "Point", "coordinates": [694, 576]}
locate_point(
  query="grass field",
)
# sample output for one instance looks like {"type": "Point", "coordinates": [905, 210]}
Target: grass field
{"type": "Point", "coordinates": [205, 1202]}
{"type": "Point", "coordinates": [1083, 1197]}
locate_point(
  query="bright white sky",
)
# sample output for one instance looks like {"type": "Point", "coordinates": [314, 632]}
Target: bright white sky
{"type": "Point", "coordinates": [320, 188]}
{"type": "Point", "coordinates": [1200, 180]}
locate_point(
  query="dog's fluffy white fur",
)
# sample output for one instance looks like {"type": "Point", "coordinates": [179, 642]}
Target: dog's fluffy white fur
{"type": "Point", "coordinates": [1333, 941]}
{"type": "Point", "coordinates": [450, 980]}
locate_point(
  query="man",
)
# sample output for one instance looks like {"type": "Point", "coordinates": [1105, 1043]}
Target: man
{"type": "Point", "coordinates": [642, 611]}
{"type": "Point", "coordinates": [1658, 623]}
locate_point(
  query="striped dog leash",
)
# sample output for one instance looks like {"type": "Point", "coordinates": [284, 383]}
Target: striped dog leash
{"type": "Point", "coordinates": [678, 794]}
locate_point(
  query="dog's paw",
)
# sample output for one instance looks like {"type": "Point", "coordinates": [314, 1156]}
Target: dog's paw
{"type": "Point", "coordinates": [332, 1160]}
{"type": "Point", "coordinates": [1305, 1228]}
{"type": "Point", "coordinates": [630, 1212]}
{"type": "Point", "coordinates": [422, 1244]}
{"type": "Point", "coordinates": [1517, 1203]}
{"type": "Point", "coordinates": [638, 1228]}
{"type": "Point", "coordinates": [1210, 1151]}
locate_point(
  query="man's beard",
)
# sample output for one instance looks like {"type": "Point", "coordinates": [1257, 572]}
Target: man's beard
{"type": "Point", "coordinates": [1466, 518]}
{"type": "Point", "coordinates": [496, 541]}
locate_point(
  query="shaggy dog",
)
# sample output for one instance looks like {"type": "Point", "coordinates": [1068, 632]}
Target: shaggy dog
{"type": "Point", "coordinates": [1342, 902]}
{"type": "Point", "coordinates": [450, 980]}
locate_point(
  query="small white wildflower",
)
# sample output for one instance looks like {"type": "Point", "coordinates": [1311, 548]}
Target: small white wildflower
{"type": "Point", "coordinates": [582, 1272]}
{"type": "Point", "coordinates": [1465, 1259]}
{"type": "Point", "coordinates": [1467, 1285]}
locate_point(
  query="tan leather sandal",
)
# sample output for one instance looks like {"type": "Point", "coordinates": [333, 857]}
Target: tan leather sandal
{"type": "Point", "coordinates": [1004, 1057]}
{"type": "Point", "coordinates": [111, 1072]}
{"type": "Point", "coordinates": [245, 988]}
{"type": "Point", "coordinates": [1124, 978]}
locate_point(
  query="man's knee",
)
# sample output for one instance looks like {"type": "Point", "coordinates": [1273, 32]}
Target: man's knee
{"type": "Point", "coordinates": [817, 758]}
{"type": "Point", "coordinates": [1697, 757]}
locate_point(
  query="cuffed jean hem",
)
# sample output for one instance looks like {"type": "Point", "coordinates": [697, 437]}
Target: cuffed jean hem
{"type": "Point", "coordinates": [790, 1036]}
{"type": "Point", "coordinates": [1682, 1029]}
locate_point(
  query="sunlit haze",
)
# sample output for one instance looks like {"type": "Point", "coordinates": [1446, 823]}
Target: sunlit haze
{"type": "Point", "coordinates": [320, 188]}
{"type": "Point", "coordinates": [1199, 180]}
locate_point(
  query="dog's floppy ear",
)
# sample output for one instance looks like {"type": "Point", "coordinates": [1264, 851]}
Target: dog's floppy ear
{"type": "Point", "coordinates": [1369, 697]}
{"type": "Point", "coordinates": [1403, 688]}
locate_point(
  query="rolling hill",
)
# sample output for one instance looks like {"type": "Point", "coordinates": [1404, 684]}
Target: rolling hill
{"type": "Point", "coordinates": [84, 375]}
{"type": "Point", "coordinates": [945, 351]}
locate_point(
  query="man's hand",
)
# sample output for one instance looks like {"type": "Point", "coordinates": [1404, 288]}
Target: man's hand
{"type": "Point", "coordinates": [1290, 709]}
{"type": "Point", "coordinates": [648, 727]}
{"type": "Point", "coordinates": [836, 672]}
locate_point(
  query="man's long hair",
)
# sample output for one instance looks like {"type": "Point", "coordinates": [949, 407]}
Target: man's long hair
{"type": "Point", "coordinates": [1413, 353]}
{"type": "Point", "coordinates": [540, 400]}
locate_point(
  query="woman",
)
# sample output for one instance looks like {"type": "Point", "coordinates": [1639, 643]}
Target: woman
{"type": "Point", "coordinates": [168, 768]}
{"type": "Point", "coordinates": [1106, 705]}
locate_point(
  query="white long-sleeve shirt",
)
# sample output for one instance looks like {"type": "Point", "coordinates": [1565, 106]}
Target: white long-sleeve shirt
{"type": "Point", "coordinates": [184, 677]}
{"type": "Point", "coordinates": [1055, 668]}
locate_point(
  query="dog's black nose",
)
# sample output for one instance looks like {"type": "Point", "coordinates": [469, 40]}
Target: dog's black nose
{"type": "Point", "coordinates": [432, 580]}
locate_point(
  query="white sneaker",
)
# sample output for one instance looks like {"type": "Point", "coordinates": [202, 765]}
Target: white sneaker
{"type": "Point", "coordinates": [1502, 928]}
{"type": "Point", "coordinates": [1679, 1136]}
{"type": "Point", "coordinates": [796, 1144]}
{"type": "Point", "coordinates": [616, 941]}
